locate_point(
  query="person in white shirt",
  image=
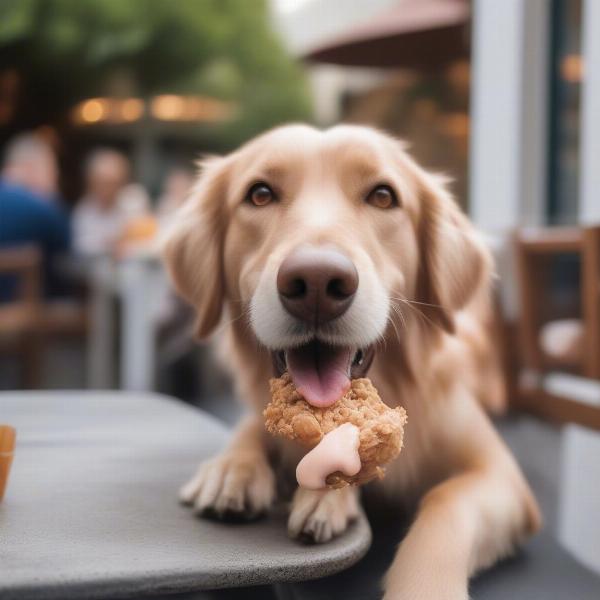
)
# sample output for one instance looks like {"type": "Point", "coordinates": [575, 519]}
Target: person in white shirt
{"type": "Point", "coordinates": [176, 188]}
{"type": "Point", "coordinates": [103, 213]}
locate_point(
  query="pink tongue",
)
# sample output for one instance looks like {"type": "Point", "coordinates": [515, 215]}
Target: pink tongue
{"type": "Point", "coordinates": [320, 372]}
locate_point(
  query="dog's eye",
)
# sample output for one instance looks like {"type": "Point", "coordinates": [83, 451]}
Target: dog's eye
{"type": "Point", "coordinates": [260, 194]}
{"type": "Point", "coordinates": [382, 196]}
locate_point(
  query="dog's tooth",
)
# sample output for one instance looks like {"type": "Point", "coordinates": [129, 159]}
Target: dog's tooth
{"type": "Point", "coordinates": [358, 357]}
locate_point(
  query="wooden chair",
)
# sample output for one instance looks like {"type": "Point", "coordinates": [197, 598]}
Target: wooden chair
{"type": "Point", "coordinates": [27, 321]}
{"type": "Point", "coordinates": [19, 318]}
{"type": "Point", "coordinates": [534, 249]}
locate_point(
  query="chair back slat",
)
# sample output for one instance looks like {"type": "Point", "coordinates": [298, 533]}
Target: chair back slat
{"type": "Point", "coordinates": [590, 300]}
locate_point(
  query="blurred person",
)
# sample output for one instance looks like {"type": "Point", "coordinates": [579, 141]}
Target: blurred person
{"type": "Point", "coordinates": [30, 163]}
{"type": "Point", "coordinates": [134, 200]}
{"type": "Point", "coordinates": [176, 187]}
{"type": "Point", "coordinates": [30, 211]}
{"type": "Point", "coordinates": [108, 205]}
{"type": "Point", "coordinates": [141, 225]}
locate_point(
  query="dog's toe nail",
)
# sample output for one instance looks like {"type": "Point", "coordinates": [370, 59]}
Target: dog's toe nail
{"type": "Point", "coordinates": [307, 538]}
{"type": "Point", "coordinates": [206, 512]}
{"type": "Point", "coordinates": [233, 516]}
{"type": "Point", "coordinates": [315, 532]}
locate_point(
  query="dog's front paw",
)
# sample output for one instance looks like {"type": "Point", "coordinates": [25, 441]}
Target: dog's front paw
{"type": "Point", "coordinates": [231, 487]}
{"type": "Point", "coordinates": [318, 516]}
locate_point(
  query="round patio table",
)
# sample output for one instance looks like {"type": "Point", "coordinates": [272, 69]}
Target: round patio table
{"type": "Point", "coordinates": [91, 506]}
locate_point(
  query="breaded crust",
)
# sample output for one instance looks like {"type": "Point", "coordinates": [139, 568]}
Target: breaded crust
{"type": "Point", "coordinates": [381, 427]}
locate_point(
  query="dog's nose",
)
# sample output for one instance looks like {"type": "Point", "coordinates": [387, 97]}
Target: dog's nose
{"type": "Point", "coordinates": [317, 285]}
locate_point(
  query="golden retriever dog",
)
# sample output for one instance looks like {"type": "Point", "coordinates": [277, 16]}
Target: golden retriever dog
{"type": "Point", "coordinates": [332, 254]}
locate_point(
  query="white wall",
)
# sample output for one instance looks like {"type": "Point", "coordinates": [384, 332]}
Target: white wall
{"type": "Point", "coordinates": [589, 198]}
{"type": "Point", "coordinates": [508, 104]}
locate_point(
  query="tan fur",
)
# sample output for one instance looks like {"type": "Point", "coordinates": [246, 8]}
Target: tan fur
{"type": "Point", "coordinates": [434, 359]}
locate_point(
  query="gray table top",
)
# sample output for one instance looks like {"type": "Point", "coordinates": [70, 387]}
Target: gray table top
{"type": "Point", "coordinates": [90, 509]}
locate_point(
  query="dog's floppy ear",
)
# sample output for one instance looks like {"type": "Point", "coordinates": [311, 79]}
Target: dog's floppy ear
{"type": "Point", "coordinates": [455, 262]}
{"type": "Point", "coordinates": [193, 246]}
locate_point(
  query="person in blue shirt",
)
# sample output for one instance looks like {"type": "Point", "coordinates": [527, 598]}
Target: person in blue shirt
{"type": "Point", "coordinates": [30, 213]}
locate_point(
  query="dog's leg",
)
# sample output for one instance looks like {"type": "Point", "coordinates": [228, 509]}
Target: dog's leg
{"type": "Point", "coordinates": [318, 516]}
{"type": "Point", "coordinates": [238, 483]}
{"type": "Point", "coordinates": [464, 524]}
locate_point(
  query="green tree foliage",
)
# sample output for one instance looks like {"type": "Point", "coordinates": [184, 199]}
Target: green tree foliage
{"type": "Point", "coordinates": [67, 50]}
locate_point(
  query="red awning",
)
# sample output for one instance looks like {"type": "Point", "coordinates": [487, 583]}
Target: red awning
{"type": "Point", "coordinates": [414, 34]}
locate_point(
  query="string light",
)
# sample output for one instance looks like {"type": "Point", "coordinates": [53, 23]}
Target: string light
{"type": "Point", "coordinates": [572, 68]}
{"type": "Point", "coordinates": [167, 107]}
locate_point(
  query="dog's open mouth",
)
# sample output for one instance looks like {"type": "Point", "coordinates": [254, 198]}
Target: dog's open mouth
{"type": "Point", "coordinates": [320, 372]}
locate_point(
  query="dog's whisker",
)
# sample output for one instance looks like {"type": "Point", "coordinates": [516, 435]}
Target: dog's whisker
{"type": "Point", "coordinates": [244, 313]}
{"type": "Point", "coordinates": [225, 324]}
{"type": "Point", "coordinates": [421, 315]}
{"type": "Point", "coordinates": [406, 300]}
{"type": "Point", "coordinates": [396, 308]}
{"type": "Point", "coordinates": [391, 320]}
{"type": "Point", "coordinates": [382, 340]}
{"type": "Point", "coordinates": [416, 310]}
{"type": "Point", "coordinates": [397, 333]}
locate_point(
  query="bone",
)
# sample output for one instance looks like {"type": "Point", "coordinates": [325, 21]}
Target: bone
{"type": "Point", "coordinates": [337, 451]}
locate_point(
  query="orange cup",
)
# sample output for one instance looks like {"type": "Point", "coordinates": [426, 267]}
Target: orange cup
{"type": "Point", "coordinates": [8, 436]}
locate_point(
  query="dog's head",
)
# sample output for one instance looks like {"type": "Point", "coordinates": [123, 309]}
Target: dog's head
{"type": "Point", "coordinates": [319, 239]}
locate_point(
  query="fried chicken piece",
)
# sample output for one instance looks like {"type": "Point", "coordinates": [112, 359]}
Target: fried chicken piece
{"type": "Point", "coordinates": [380, 427]}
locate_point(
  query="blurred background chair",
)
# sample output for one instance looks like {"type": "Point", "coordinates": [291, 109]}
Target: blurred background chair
{"type": "Point", "coordinates": [28, 320]}
{"type": "Point", "coordinates": [558, 334]}
{"type": "Point", "coordinates": [19, 331]}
